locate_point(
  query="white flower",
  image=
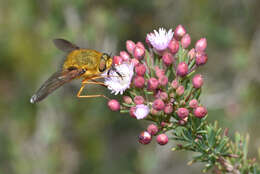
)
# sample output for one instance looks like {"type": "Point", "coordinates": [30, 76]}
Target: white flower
{"type": "Point", "coordinates": [160, 40]}
{"type": "Point", "coordinates": [141, 111]}
{"type": "Point", "coordinates": [118, 84]}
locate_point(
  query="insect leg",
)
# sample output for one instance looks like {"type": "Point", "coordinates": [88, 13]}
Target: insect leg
{"type": "Point", "coordinates": [84, 82]}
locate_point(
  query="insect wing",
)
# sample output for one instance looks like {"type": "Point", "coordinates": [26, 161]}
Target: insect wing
{"type": "Point", "coordinates": [58, 79]}
{"type": "Point", "coordinates": [65, 45]}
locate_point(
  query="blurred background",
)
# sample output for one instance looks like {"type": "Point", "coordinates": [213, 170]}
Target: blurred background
{"type": "Point", "coordinates": [67, 135]}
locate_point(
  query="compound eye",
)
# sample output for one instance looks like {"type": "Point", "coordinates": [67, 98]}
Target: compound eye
{"type": "Point", "coordinates": [102, 65]}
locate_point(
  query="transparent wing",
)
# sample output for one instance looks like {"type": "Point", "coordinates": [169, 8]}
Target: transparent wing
{"type": "Point", "coordinates": [58, 79]}
{"type": "Point", "coordinates": [65, 45]}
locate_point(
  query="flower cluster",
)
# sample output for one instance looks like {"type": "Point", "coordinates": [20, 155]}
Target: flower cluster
{"type": "Point", "coordinates": [158, 83]}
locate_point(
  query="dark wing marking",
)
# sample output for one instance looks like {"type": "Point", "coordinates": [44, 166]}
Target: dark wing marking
{"type": "Point", "coordinates": [58, 79]}
{"type": "Point", "coordinates": [65, 45]}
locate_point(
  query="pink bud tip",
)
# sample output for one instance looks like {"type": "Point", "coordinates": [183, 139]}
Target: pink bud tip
{"type": "Point", "coordinates": [173, 46]}
{"type": "Point", "coordinates": [140, 44]}
{"type": "Point", "coordinates": [163, 80]}
{"type": "Point", "coordinates": [167, 58]}
{"type": "Point", "coordinates": [127, 99]}
{"type": "Point", "coordinates": [135, 61]}
{"type": "Point", "coordinates": [113, 105]}
{"type": "Point", "coordinates": [163, 96]}
{"type": "Point", "coordinates": [185, 41]}
{"type": "Point", "coordinates": [147, 41]}
{"type": "Point", "coordinates": [132, 111]}
{"type": "Point", "coordinates": [201, 58]}
{"type": "Point", "coordinates": [153, 83]}
{"type": "Point", "coordinates": [200, 112]}
{"type": "Point", "coordinates": [125, 56]}
{"type": "Point", "coordinates": [138, 100]}
{"type": "Point", "coordinates": [158, 104]}
{"type": "Point", "coordinates": [182, 122]}
{"type": "Point", "coordinates": [130, 46]}
{"type": "Point", "coordinates": [168, 109]}
{"type": "Point", "coordinates": [182, 69]}
{"type": "Point", "coordinates": [159, 72]}
{"type": "Point", "coordinates": [145, 137]}
{"type": "Point", "coordinates": [197, 81]}
{"type": "Point", "coordinates": [152, 129]}
{"type": "Point", "coordinates": [162, 139]}
{"type": "Point", "coordinates": [140, 69]}
{"type": "Point", "coordinates": [193, 103]}
{"type": "Point", "coordinates": [179, 32]}
{"type": "Point", "coordinates": [174, 84]}
{"type": "Point", "coordinates": [182, 113]}
{"type": "Point", "coordinates": [117, 60]}
{"type": "Point", "coordinates": [191, 54]}
{"type": "Point", "coordinates": [201, 45]}
{"type": "Point", "coordinates": [139, 81]}
{"type": "Point", "coordinates": [180, 90]}
{"type": "Point", "coordinates": [154, 112]}
{"type": "Point", "coordinates": [163, 124]}
{"type": "Point", "coordinates": [139, 52]}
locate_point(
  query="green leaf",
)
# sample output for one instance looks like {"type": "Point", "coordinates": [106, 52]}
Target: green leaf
{"type": "Point", "coordinates": [211, 136]}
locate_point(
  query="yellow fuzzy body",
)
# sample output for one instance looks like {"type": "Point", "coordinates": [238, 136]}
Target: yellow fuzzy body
{"type": "Point", "coordinates": [86, 59]}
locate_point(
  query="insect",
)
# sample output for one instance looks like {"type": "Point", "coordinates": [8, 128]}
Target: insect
{"type": "Point", "coordinates": [81, 63]}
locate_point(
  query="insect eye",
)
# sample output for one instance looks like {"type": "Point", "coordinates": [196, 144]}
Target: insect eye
{"type": "Point", "coordinates": [102, 65]}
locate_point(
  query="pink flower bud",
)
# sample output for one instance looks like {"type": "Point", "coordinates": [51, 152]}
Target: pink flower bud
{"type": "Point", "coordinates": [163, 96]}
{"type": "Point", "coordinates": [159, 72]}
{"type": "Point", "coordinates": [162, 139]}
{"type": "Point", "coordinates": [135, 61]}
{"type": "Point", "coordinates": [175, 84]}
{"type": "Point", "coordinates": [201, 58]}
{"type": "Point", "coordinates": [139, 81]}
{"type": "Point", "coordinates": [167, 58]}
{"type": "Point", "coordinates": [154, 112]}
{"type": "Point", "coordinates": [158, 104]}
{"type": "Point", "coordinates": [163, 124]}
{"type": "Point", "coordinates": [179, 32]}
{"type": "Point", "coordinates": [182, 113]}
{"type": "Point", "coordinates": [113, 105]}
{"type": "Point", "coordinates": [140, 69]}
{"type": "Point", "coordinates": [117, 60]}
{"type": "Point", "coordinates": [140, 44]}
{"type": "Point", "coordinates": [125, 56]}
{"type": "Point", "coordinates": [163, 80]}
{"type": "Point", "coordinates": [132, 112]}
{"type": "Point", "coordinates": [139, 53]}
{"type": "Point", "coordinates": [130, 46]}
{"type": "Point", "coordinates": [145, 137]}
{"type": "Point", "coordinates": [180, 90]}
{"type": "Point", "coordinates": [185, 41]}
{"type": "Point", "coordinates": [153, 83]}
{"type": "Point", "coordinates": [191, 54]}
{"type": "Point", "coordinates": [127, 100]}
{"type": "Point", "coordinates": [182, 69]}
{"type": "Point", "coordinates": [193, 103]}
{"type": "Point", "coordinates": [173, 46]}
{"type": "Point", "coordinates": [200, 112]}
{"type": "Point", "coordinates": [197, 81]}
{"type": "Point", "coordinates": [201, 45]}
{"type": "Point", "coordinates": [152, 129]}
{"type": "Point", "coordinates": [183, 121]}
{"type": "Point", "coordinates": [138, 100]}
{"type": "Point", "coordinates": [168, 109]}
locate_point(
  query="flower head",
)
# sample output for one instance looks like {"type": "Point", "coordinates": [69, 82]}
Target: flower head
{"type": "Point", "coordinates": [118, 84]}
{"type": "Point", "coordinates": [160, 40]}
{"type": "Point", "coordinates": [141, 111]}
